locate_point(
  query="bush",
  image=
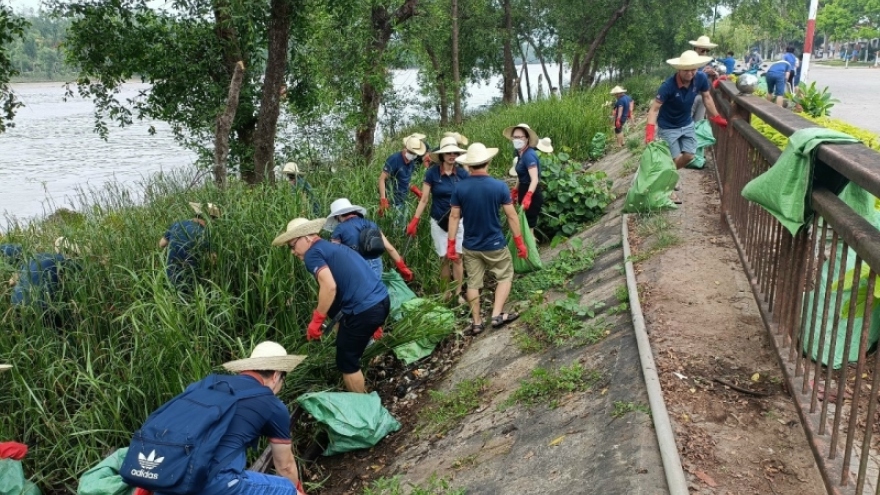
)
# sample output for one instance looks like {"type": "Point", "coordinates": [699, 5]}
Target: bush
{"type": "Point", "coordinates": [813, 102]}
{"type": "Point", "coordinates": [573, 197]}
{"type": "Point", "coordinates": [868, 138]}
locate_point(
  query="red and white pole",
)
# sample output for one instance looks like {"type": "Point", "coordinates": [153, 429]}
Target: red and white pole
{"type": "Point", "coordinates": [808, 40]}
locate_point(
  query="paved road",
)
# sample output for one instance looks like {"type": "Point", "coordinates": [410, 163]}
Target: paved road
{"type": "Point", "coordinates": [857, 90]}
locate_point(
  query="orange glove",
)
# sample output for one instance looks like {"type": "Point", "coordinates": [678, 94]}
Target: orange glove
{"type": "Point", "coordinates": [415, 190]}
{"type": "Point", "coordinates": [450, 250]}
{"type": "Point", "coordinates": [383, 206]}
{"type": "Point", "coordinates": [378, 334]}
{"type": "Point", "coordinates": [527, 200]}
{"type": "Point", "coordinates": [314, 330]}
{"type": "Point", "coordinates": [404, 270]}
{"type": "Point", "coordinates": [719, 121]}
{"type": "Point", "coordinates": [521, 251]}
{"type": "Point", "coordinates": [650, 129]}
{"type": "Point", "coordinates": [413, 225]}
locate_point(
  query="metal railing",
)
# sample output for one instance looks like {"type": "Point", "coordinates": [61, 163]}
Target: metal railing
{"type": "Point", "coordinates": [815, 290]}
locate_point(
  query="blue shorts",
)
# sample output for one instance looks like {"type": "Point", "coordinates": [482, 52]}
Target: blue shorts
{"type": "Point", "coordinates": [680, 139]}
{"type": "Point", "coordinates": [775, 83]}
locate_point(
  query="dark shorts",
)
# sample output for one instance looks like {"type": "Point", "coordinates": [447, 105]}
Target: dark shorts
{"type": "Point", "coordinates": [775, 83]}
{"type": "Point", "coordinates": [537, 203]}
{"type": "Point", "coordinates": [618, 130]}
{"type": "Point", "coordinates": [354, 334]}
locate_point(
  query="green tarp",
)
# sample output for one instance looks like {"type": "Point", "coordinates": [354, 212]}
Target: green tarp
{"type": "Point", "coordinates": [104, 479]}
{"type": "Point", "coordinates": [431, 314]}
{"type": "Point", "coordinates": [703, 130]}
{"type": "Point", "coordinates": [533, 262]}
{"type": "Point", "coordinates": [353, 421]}
{"type": "Point", "coordinates": [654, 181]}
{"type": "Point", "coordinates": [12, 480]}
{"type": "Point", "coordinates": [398, 292]}
{"type": "Point", "coordinates": [784, 189]}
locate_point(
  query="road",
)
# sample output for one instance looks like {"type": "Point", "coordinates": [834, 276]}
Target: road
{"type": "Point", "coordinates": [856, 88]}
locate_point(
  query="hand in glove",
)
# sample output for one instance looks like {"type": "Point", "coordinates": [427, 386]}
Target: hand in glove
{"type": "Point", "coordinates": [450, 250]}
{"type": "Point", "coordinates": [13, 450]}
{"type": "Point", "coordinates": [404, 270]}
{"type": "Point", "coordinates": [378, 334]}
{"type": "Point", "coordinates": [650, 129]}
{"type": "Point", "coordinates": [415, 190]}
{"type": "Point", "coordinates": [514, 194]}
{"type": "Point", "coordinates": [527, 200]}
{"type": "Point", "coordinates": [413, 225]}
{"type": "Point", "coordinates": [521, 251]}
{"type": "Point", "coordinates": [719, 121]}
{"type": "Point", "coordinates": [314, 330]}
{"type": "Point", "coordinates": [383, 206]}
{"type": "Point", "coordinates": [617, 123]}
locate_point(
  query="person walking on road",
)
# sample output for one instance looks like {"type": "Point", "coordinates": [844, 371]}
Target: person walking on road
{"type": "Point", "coordinates": [399, 168]}
{"type": "Point", "coordinates": [477, 200]}
{"type": "Point", "coordinates": [528, 171]}
{"type": "Point", "coordinates": [621, 112]}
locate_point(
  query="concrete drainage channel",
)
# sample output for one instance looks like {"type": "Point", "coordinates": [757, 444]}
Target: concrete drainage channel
{"type": "Point", "coordinates": [675, 479]}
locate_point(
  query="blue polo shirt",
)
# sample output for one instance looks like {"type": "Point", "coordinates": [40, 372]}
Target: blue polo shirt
{"type": "Point", "coordinates": [38, 279]}
{"type": "Point", "coordinates": [729, 64]}
{"type": "Point", "coordinates": [358, 288]}
{"type": "Point", "coordinates": [677, 101]}
{"type": "Point", "coordinates": [791, 59]}
{"type": "Point", "coordinates": [779, 67]}
{"type": "Point", "coordinates": [528, 159]}
{"type": "Point", "coordinates": [11, 252]}
{"type": "Point", "coordinates": [185, 241]}
{"type": "Point", "coordinates": [348, 233]}
{"type": "Point", "coordinates": [480, 197]}
{"type": "Point", "coordinates": [400, 172]}
{"type": "Point", "coordinates": [624, 102]}
{"type": "Point", "coordinates": [442, 187]}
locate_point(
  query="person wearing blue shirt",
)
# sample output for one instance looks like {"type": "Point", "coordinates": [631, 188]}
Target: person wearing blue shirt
{"type": "Point", "coordinates": [477, 200]}
{"type": "Point", "coordinates": [399, 168]}
{"type": "Point", "coordinates": [346, 222]}
{"type": "Point", "coordinates": [620, 112]}
{"type": "Point", "coordinates": [40, 279]}
{"type": "Point", "coordinates": [703, 46]}
{"type": "Point", "coordinates": [777, 76]}
{"type": "Point", "coordinates": [186, 242]}
{"type": "Point", "coordinates": [299, 186]}
{"type": "Point", "coordinates": [792, 61]}
{"type": "Point", "coordinates": [671, 108]}
{"type": "Point", "coordinates": [439, 183]}
{"type": "Point", "coordinates": [10, 253]}
{"type": "Point", "coordinates": [528, 171]}
{"type": "Point", "coordinates": [344, 275]}
{"type": "Point", "coordinates": [729, 63]}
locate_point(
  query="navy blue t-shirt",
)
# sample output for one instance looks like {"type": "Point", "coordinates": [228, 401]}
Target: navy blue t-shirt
{"type": "Point", "coordinates": [348, 233]}
{"type": "Point", "coordinates": [358, 287]}
{"type": "Point", "coordinates": [528, 159]}
{"type": "Point", "coordinates": [38, 279]}
{"type": "Point", "coordinates": [11, 252]}
{"type": "Point", "coordinates": [780, 66]}
{"type": "Point", "coordinates": [624, 102]}
{"type": "Point", "coordinates": [185, 240]}
{"type": "Point", "coordinates": [480, 197]}
{"type": "Point", "coordinates": [677, 101]}
{"type": "Point", "coordinates": [442, 186]}
{"type": "Point", "coordinates": [400, 174]}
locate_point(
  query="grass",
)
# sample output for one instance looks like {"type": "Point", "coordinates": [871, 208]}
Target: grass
{"type": "Point", "coordinates": [394, 486]}
{"type": "Point", "coordinates": [447, 409]}
{"type": "Point", "coordinates": [571, 261]}
{"type": "Point", "coordinates": [465, 462]}
{"type": "Point", "coordinates": [657, 234]}
{"type": "Point", "coordinates": [623, 408]}
{"type": "Point", "coordinates": [548, 387]}
{"type": "Point", "coordinates": [559, 322]}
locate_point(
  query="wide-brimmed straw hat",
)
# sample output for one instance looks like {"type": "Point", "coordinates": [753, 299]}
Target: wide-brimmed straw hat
{"type": "Point", "coordinates": [545, 145]}
{"type": "Point", "coordinates": [533, 136]}
{"type": "Point", "coordinates": [210, 209]}
{"type": "Point", "coordinates": [703, 42]}
{"type": "Point", "coordinates": [341, 206]}
{"type": "Point", "coordinates": [460, 139]}
{"type": "Point", "coordinates": [477, 154]}
{"type": "Point", "coordinates": [266, 356]}
{"type": "Point", "coordinates": [291, 168]}
{"type": "Point", "coordinates": [63, 245]}
{"type": "Point", "coordinates": [616, 90]}
{"type": "Point", "coordinates": [689, 60]}
{"type": "Point", "coordinates": [448, 144]}
{"type": "Point", "coordinates": [299, 227]}
{"type": "Point", "coordinates": [414, 144]}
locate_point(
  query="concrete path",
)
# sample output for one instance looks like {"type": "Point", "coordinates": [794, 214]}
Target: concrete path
{"type": "Point", "coordinates": [857, 88]}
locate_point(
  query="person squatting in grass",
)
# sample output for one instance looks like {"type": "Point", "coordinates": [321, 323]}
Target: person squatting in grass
{"type": "Point", "coordinates": [528, 171]}
{"type": "Point", "coordinates": [344, 274]}
{"type": "Point", "coordinates": [703, 46]}
{"type": "Point", "coordinates": [40, 278]}
{"type": "Point", "coordinates": [477, 200]}
{"type": "Point", "coordinates": [439, 183]}
{"type": "Point", "coordinates": [399, 168]}
{"type": "Point", "coordinates": [187, 241]}
{"type": "Point", "coordinates": [346, 221]}
{"type": "Point", "coordinates": [671, 108]}
{"type": "Point", "coordinates": [621, 112]}
{"type": "Point", "coordinates": [299, 186]}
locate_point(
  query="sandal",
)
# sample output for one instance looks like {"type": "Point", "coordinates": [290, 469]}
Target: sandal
{"type": "Point", "coordinates": [503, 319]}
{"type": "Point", "coordinates": [475, 329]}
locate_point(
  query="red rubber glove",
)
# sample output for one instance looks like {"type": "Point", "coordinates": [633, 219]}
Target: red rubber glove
{"type": "Point", "coordinates": [314, 330]}
{"type": "Point", "coordinates": [650, 129]}
{"type": "Point", "coordinates": [378, 334]}
{"type": "Point", "coordinates": [617, 123]}
{"type": "Point", "coordinates": [426, 159]}
{"type": "Point", "coordinates": [527, 200]}
{"type": "Point", "coordinates": [413, 225]}
{"type": "Point", "coordinates": [383, 206]}
{"type": "Point", "coordinates": [415, 190]}
{"type": "Point", "coordinates": [299, 488]}
{"type": "Point", "coordinates": [719, 121]}
{"type": "Point", "coordinates": [404, 270]}
{"type": "Point", "coordinates": [450, 250]}
{"type": "Point", "coordinates": [514, 194]}
{"type": "Point", "coordinates": [521, 250]}
{"type": "Point", "coordinates": [13, 450]}
{"type": "Point", "coordinates": [144, 491]}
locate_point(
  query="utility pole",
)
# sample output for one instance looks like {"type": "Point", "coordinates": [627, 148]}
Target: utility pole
{"type": "Point", "coordinates": [808, 39]}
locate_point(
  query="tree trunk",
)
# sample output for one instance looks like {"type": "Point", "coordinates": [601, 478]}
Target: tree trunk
{"type": "Point", "coordinates": [559, 88]}
{"type": "Point", "coordinates": [441, 84]}
{"type": "Point", "coordinates": [456, 69]}
{"type": "Point", "coordinates": [540, 59]}
{"type": "Point", "coordinates": [525, 68]}
{"type": "Point", "coordinates": [273, 83]}
{"type": "Point", "coordinates": [508, 93]}
{"type": "Point", "coordinates": [577, 79]}
{"type": "Point", "coordinates": [224, 126]}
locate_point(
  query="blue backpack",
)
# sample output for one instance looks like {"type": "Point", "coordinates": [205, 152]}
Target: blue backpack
{"type": "Point", "coordinates": [173, 452]}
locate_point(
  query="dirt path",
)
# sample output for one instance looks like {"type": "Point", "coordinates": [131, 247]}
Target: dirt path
{"type": "Point", "coordinates": [706, 332]}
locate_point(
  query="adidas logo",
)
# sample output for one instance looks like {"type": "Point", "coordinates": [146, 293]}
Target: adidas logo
{"type": "Point", "coordinates": [149, 462]}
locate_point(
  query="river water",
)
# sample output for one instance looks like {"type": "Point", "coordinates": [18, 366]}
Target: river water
{"type": "Point", "coordinates": [53, 151]}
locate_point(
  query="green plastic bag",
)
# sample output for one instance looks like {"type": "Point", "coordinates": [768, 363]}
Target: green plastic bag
{"type": "Point", "coordinates": [398, 292]}
{"type": "Point", "coordinates": [430, 314]}
{"type": "Point", "coordinates": [104, 479]}
{"type": "Point", "coordinates": [705, 139]}
{"type": "Point", "coordinates": [597, 146]}
{"type": "Point", "coordinates": [353, 421]}
{"type": "Point", "coordinates": [12, 480]}
{"type": "Point", "coordinates": [654, 181]}
{"type": "Point", "coordinates": [533, 262]}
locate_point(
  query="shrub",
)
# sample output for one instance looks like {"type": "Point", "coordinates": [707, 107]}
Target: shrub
{"type": "Point", "coordinates": [573, 197]}
{"type": "Point", "coordinates": [868, 138]}
{"type": "Point", "coordinates": [813, 102]}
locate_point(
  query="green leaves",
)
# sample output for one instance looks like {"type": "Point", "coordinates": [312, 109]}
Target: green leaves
{"type": "Point", "coordinates": [813, 102]}
{"type": "Point", "coordinates": [573, 197]}
{"type": "Point", "coordinates": [11, 28]}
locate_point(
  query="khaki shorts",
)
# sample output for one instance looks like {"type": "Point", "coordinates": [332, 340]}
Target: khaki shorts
{"type": "Point", "coordinates": [477, 263]}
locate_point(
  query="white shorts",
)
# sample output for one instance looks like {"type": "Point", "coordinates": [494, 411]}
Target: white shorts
{"type": "Point", "coordinates": [440, 237]}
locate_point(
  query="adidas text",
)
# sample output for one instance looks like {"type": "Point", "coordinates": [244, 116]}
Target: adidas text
{"type": "Point", "coordinates": [143, 473]}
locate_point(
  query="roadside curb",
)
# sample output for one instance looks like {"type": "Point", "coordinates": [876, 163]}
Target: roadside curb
{"type": "Point", "coordinates": [675, 479]}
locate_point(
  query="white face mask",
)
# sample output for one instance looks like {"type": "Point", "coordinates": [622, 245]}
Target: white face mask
{"type": "Point", "coordinates": [519, 144]}
{"type": "Point", "coordinates": [410, 157]}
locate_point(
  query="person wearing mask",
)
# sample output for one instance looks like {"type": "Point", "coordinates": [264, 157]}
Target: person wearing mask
{"type": "Point", "coordinates": [620, 112]}
{"type": "Point", "coordinates": [528, 171]}
{"type": "Point", "coordinates": [777, 76]}
{"type": "Point", "coordinates": [399, 169]}
{"type": "Point", "coordinates": [187, 242]}
{"type": "Point", "coordinates": [439, 184]}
